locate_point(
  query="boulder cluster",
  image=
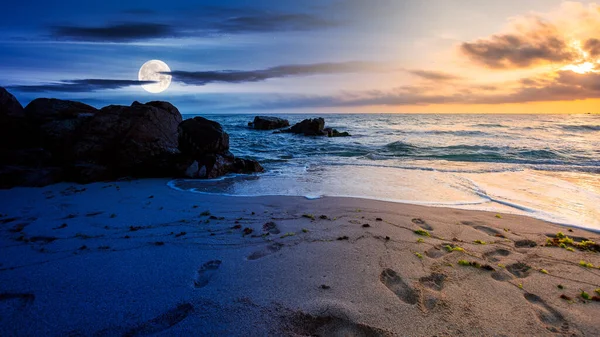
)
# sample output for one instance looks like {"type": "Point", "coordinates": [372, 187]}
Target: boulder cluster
{"type": "Point", "coordinates": [53, 140]}
{"type": "Point", "coordinates": [307, 127]}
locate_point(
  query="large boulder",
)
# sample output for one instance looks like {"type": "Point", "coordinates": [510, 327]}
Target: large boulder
{"type": "Point", "coordinates": [54, 140]}
{"type": "Point", "coordinates": [268, 123]}
{"type": "Point", "coordinates": [199, 136]}
{"type": "Point", "coordinates": [207, 144]}
{"type": "Point", "coordinates": [12, 121]}
{"type": "Point", "coordinates": [130, 140]}
{"type": "Point", "coordinates": [56, 124]}
{"type": "Point", "coordinates": [335, 133]}
{"type": "Point", "coordinates": [309, 127]}
{"type": "Point", "coordinates": [9, 106]}
{"type": "Point", "coordinates": [50, 109]}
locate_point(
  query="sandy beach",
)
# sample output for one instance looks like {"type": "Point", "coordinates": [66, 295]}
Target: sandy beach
{"type": "Point", "coordinates": [136, 258]}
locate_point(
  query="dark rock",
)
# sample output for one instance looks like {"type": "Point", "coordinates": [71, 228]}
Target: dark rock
{"type": "Point", "coordinates": [54, 140]}
{"type": "Point", "coordinates": [335, 133]}
{"type": "Point", "coordinates": [309, 127]}
{"type": "Point", "coordinates": [268, 123]}
{"type": "Point", "coordinates": [12, 121]}
{"type": "Point", "coordinates": [199, 136]}
{"type": "Point", "coordinates": [131, 140]}
{"type": "Point", "coordinates": [50, 109]}
{"type": "Point", "coordinates": [241, 165]}
{"type": "Point", "coordinates": [9, 105]}
{"type": "Point", "coordinates": [56, 125]}
{"type": "Point", "coordinates": [11, 176]}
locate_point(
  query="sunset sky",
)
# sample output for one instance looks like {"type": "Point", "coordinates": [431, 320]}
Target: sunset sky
{"type": "Point", "coordinates": [510, 56]}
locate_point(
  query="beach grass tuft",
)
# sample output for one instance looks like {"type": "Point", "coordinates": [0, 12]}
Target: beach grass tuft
{"type": "Point", "coordinates": [422, 232]}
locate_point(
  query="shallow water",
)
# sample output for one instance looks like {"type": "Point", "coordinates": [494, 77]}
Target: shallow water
{"type": "Point", "coordinates": [545, 166]}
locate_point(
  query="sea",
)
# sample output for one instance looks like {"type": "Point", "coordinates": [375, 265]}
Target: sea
{"type": "Point", "coordinates": [542, 166]}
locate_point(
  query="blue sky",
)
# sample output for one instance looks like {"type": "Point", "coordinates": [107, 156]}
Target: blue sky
{"type": "Point", "coordinates": [331, 55]}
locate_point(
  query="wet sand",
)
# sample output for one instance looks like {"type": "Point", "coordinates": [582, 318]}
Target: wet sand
{"type": "Point", "coordinates": [138, 258]}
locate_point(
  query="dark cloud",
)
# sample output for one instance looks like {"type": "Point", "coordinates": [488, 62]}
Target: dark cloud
{"type": "Point", "coordinates": [435, 75]}
{"type": "Point", "coordinates": [592, 46]}
{"type": "Point", "coordinates": [241, 76]}
{"type": "Point", "coordinates": [537, 44]}
{"type": "Point", "coordinates": [208, 22]}
{"type": "Point", "coordinates": [83, 85]}
{"type": "Point", "coordinates": [268, 22]}
{"type": "Point", "coordinates": [122, 32]}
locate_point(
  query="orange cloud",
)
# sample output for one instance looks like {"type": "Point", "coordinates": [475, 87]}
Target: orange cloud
{"type": "Point", "coordinates": [569, 35]}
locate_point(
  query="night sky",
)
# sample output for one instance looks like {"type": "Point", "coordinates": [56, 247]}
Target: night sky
{"type": "Point", "coordinates": [309, 56]}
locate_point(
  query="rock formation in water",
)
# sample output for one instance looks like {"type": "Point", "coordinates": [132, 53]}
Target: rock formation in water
{"type": "Point", "coordinates": [268, 123]}
{"type": "Point", "coordinates": [314, 127]}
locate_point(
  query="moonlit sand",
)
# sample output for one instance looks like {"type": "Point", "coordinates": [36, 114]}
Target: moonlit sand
{"type": "Point", "coordinates": [136, 258]}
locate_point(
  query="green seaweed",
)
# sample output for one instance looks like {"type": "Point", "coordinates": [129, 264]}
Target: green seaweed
{"type": "Point", "coordinates": [454, 249]}
{"type": "Point", "coordinates": [560, 235]}
{"type": "Point", "coordinates": [464, 263]}
{"type": "Point", "coordinates": [308, 216]}
{"type": "Point", "coordinates": [422, 232]}
{"type": "Point", "coordinates": [418, 255]}
{"type": "Point", "coordinates": [597, 291]}
{"type": "Point", "coordinates": [520, 285]}
{"type": "Point", "coordinates": [543, 271]}
{"type": "Point", "coordinates": [586, 264]}
{"type": "Point", "coordinates": [570, 249]}
{"type": "Point", "coordinates": [480, 242]}
{"type": "Point", "coordinates": [304, 230]}
{"type": "Point", "coordinates": [585, 295]}
{"type": "Point", "coordinates": [498, 216]}
{"type": "Point", "coordinates": [287, 234]}
{"type": "Point", "coordinates": [420, 240]}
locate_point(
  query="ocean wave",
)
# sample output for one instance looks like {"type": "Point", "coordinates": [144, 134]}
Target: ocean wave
{"type": "Point", "coordinates": [584, 127]}
{"type": "Point", "coordinates": [490, 125]}
{"type": "Point", "coordinates": [477, 153]}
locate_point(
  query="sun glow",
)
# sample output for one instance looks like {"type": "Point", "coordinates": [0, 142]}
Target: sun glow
{"type": "Point", "coordinates": [581, 68]}
{"type": "Point", "coordinates": [584, 65]}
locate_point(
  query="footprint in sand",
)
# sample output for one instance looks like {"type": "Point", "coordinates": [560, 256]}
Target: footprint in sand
{"type": "Point", "coordinates": [525, 244]}
{"type": "Point", "coordinates": [519, 269]}
{"type": "Point", "coordinates": [271, 228]}
{"type": "Point", "coordinates": [480, 226]}
{"type": "Point", "coordinates": [546, 313]}
{"type": "Point", "coordinates": [16, 301]}
{"type": "Point", "coordinates": [162, 322]}
{"type": "Point", "coordinates": [434, 281]}
{"type": "Point", "coordinates": [206, 272]}
{"type": "Point", "coordinates": [268, 250]}
{"type": "Point", "coordinates": [492, 255]}
{"type": "Point", "coordinates": [307, 325]}
{"type": "Point", "coordinates": [398, 286]}
{"type": "Point", "coordinates": [421, 223]}
{"type": "Point", "coordinates": [501, 276]}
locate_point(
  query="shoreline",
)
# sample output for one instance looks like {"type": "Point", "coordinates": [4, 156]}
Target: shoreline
{"type": "Point", "coordinates": [516, 208]}
{"type": "Point", "coordinates": [138, 257]}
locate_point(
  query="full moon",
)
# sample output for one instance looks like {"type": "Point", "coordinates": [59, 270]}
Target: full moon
{"type": "Point", "coordinates": [153, 70]}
